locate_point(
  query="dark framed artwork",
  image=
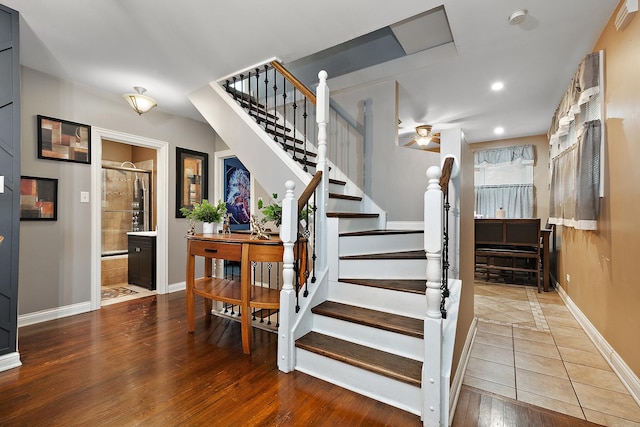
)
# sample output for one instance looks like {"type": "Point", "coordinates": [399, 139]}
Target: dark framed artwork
{"type": "Point", "coordinates": [237, 193]}
{"type": "Point", "coordinates": [38, 199]}
{"type": "Point", "coordinates": [191, 178]}
{"type": "Point", "coordinates": [63, 140]}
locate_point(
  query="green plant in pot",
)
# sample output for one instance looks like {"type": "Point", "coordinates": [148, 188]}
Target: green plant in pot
{"type": "Point", "coordinates": [206, 213]}
{"type": "Point", "coordinates": [273, 211]}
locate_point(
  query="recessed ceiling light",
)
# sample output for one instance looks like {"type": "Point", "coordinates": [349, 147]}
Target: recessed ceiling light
{"type": "Point", "coordinates": [499, 130]}
{"type": "Point", "coordinates": [497, 86]}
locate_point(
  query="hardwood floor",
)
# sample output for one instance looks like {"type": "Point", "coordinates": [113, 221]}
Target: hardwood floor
{"type": "Point", "coordinates": [480, 408]}
{"type": "Point", "coordinates": [134, 363]}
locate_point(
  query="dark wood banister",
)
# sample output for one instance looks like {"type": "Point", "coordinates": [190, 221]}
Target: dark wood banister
{"type": "Point", "coordinates": [294, 81]}
{"type": "Point", "coordinates": [306, 194]}
{"type": "Point", "coordinates": [447, 167]}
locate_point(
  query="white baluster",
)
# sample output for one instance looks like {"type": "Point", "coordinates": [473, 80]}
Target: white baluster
{"type": "Point", "coordinates": [322, 118]}
{"type": "Point", "coordinates": [288, 235]}
{"type": "Point", "coordinates": [431, 368]}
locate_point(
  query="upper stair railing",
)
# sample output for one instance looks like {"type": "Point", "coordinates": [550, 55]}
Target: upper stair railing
{"type": "Point", "coordinates": [286, 109]}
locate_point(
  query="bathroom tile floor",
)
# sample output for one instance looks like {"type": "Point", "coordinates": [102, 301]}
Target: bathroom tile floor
{"type": "Point", "coordinates": [529, 347]}
{"type": "Point", "coordinates": [139, 292]}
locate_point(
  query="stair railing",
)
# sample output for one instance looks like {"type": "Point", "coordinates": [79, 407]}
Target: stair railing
{"type": "Point", "coordinates": [445, 177]}
{"type": "Point", "coordinates": [286, 109]}
{"type": "Point", "coordinates": [291, 229]}
{"type": "Point", "coordinates": [433, 243]}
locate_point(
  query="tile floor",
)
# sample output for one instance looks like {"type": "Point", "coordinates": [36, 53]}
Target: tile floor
{"type": "Point", "coordinates": [140, 292]}
{"type": "Point", "coordinates": [529, 347]}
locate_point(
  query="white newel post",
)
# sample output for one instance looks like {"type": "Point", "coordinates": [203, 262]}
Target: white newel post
{"type": "Point", "coordinates": [288, 235]}
{"type": "Point", "coordinates": [431, 368]}
{"type": "Point", "coordinates": [322, 193]}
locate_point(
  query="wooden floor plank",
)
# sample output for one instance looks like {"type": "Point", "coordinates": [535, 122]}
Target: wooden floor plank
{"type": "Point", "coordinates": [134, 363]}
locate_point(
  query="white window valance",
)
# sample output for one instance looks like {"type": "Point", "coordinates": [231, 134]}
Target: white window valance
{"type": "Point", "coordinates": [505, 155]}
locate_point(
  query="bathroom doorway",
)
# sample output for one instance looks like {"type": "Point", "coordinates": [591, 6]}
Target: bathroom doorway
{"type": "Point", "coordinates": [128, 217]}
{"type": "Point", "coordinates": [129, 186]}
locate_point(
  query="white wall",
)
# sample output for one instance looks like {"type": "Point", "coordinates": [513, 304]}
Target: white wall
{"type": "Point", "coordinates": [395, 177]}
{"type": "Point", "coordinates": [55, 256]}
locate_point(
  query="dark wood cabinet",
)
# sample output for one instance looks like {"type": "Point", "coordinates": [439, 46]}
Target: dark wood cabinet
{"type": "Point", "coordinates": [142, 261]}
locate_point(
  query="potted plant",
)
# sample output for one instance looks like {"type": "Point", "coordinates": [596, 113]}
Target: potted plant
{"type": "Point", "coordinates": [273, 211]}
{"type": "Point", "coordinates": [206, 213]}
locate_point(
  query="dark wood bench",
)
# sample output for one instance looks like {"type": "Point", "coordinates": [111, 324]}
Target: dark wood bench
{"type": "Point", "coordinates": [508, 245]}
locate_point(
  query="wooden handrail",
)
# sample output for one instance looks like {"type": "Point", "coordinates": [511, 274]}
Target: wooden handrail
{"type": "Point", "coordinates": [306, 194]}
{"type": "Point", "coordinates": [447, 167]}
{"type": "Point", "coordinates": [294, 81]}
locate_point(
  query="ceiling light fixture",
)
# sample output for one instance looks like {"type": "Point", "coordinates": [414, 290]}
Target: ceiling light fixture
{"type": "Point", "coordinates": [497, 86]}
{"type": "Point", "coordinates": [518, 17]}
{"type": "Point", "coordinates": [499, 130]}
{"type": "Point", "coordinates": [139, 102]}
{"type": "Point", "coordinates": [424, 134]}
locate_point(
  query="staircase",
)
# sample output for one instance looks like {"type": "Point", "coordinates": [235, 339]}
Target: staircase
{"type": "Point", "coordinates": [363, 325]}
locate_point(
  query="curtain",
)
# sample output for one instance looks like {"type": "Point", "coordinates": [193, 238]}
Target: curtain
{"type": "Point", "coordinates": [584, 84]}
{"type": "Point", "coordinates": [516, 200]}
{"type": "Point", "coordinates": [504, 155]}
{"type": "Point", "coordinates": [575, 181]}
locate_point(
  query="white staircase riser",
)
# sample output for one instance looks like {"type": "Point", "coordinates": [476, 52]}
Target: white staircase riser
{"type": "Point", "coordinates": [336, 188]}
{"type": "Point", "coordinates": [402, 303]}
{"type": "Point", "coordinates": [346, 225]}
{"type": "Point", "coordinates": [383, 269]}
{"type": "Point", "coordinates": [343, 205]}
{"type": "Point", "coordinates": [390, 342]}
{"type": "Point", "coordinates": [378, 387]}
{"type": "Point", "coordinates": [359, 245]}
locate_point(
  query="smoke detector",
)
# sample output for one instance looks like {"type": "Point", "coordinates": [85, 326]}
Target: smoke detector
{"type": "Point", "coordinates": [517, 17]}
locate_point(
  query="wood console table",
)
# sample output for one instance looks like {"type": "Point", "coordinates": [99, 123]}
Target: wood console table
{"type": "Point", "coordinates": [233, 247]}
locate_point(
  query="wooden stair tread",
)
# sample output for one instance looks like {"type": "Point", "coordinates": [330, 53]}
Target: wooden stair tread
{"type": "Point", "coordinates": [392, 366]}
{"type": "Point", "coordinates": [345, 197]}
{"type": "Point", "coordinates": [380, 232]}
{"type": "Point", "coordinates": [408, 326]}
{"type": "Point", "coordinates": [413, 286]}
{"type": "Point", "coordinates": [419, 254]}
{"type": "Point", "coordinates": [337, 181]}
{"type": "Point", "coordinates": [351, 215]}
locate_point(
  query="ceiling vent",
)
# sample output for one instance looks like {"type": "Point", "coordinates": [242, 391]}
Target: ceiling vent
{"type": "Point", "coordinates": [625, 14]}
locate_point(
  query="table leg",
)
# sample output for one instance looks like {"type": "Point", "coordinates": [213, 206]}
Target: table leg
{"type": "Point", "coordinates": [208, 272]}
{"type": "Point", "coordinates": [245, 296]}
{"type": "Point", "coordinates": [190, 297]}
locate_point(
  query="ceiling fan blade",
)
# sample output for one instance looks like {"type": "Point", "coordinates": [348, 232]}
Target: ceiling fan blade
{"type": "Point", "coordinates": [413, 141]}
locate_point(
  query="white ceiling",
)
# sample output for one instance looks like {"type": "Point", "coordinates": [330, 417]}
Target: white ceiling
{"type": "Point", "coordinates": [172, 48]}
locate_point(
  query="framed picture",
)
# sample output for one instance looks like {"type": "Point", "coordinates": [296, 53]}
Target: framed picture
{"type": "Point", "coordinates": [38, 199]}
{"type": "Point", "coordinates": [191, 178]}
{"type": "Point", "coordinates": [237, 193]}
{"type": "Point", "coordinates": [63, 140]}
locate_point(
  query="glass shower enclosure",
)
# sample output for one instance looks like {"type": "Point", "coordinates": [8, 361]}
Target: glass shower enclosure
{"type": "Point", "coordinates": [126, 195]}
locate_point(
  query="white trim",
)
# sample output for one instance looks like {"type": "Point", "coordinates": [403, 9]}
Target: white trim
{"type": "Point", "coordinates": [175, 287]}
{"type": "Point", "coordinates": [456, 384]}
{"type": "Point", "coordinates": [53, 313]}
{"type": "Point", "coordinates": [10, 361]}
{"type": "Point", "coordinates": [162, 200]}
{"type": "Point", "coordinates": [251, 68]}
{"type": "Point", "coordinates": [626, 375]}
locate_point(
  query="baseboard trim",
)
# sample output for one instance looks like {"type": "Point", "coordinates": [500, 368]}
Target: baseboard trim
{"type": "Point", "coordinates": [626, 375]}
{"type": "Point", "coordinates": [175, 287]}
{"type": "Point", "coordinates": [456, 384]}
{"type": "Point", "coordinates": [53, 313]}
{"type": "Point", "coordinates": [10, 361]}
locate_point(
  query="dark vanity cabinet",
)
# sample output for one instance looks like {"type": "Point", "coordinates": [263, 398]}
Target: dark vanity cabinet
{"type": "Point", "coordinates": [142, 261]}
